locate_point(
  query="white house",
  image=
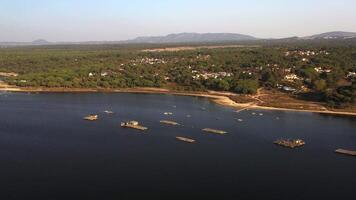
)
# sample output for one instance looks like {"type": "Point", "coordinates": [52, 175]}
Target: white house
{"type": "Point", "coordinates": [322, 70]}
{"type": "Point", "coordinates": [291, 77]}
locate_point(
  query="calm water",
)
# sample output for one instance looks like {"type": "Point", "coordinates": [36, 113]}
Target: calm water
{"type": "Point", "coordinates": [49, 152]}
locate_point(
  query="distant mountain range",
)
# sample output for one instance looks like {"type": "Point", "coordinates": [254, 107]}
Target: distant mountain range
{"type": "Point", "coordinates": [332, 35]}
{"type": "Point", "coordinates": [36, 42]}
{"type": "Point", "coordinates": [40, 42]}
{"type": "Point", "coordinates": [195, 38]}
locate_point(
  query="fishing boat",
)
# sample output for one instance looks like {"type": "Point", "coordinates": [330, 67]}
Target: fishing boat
{"type": "Point", "coordinates": [108, 112]}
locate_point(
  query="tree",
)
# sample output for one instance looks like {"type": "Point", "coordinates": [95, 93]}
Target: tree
{"type": "Point", "coordinates": [222, 85]}
{"type": "Point", "coordinates": [268, 78]}
{"type": "Point", "coordinates": [247, 86]}
{"type": "Point", "coordinates": [319, 85]}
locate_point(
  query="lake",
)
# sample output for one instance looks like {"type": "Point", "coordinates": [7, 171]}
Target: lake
{"type": "Point", "coordinates": [49, 152]}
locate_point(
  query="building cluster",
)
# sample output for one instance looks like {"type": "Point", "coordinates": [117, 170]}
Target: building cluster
{"type": "Point", "coordinates": [321, 70]}
{"type": "Point", "coordinates": [292, 77]}
{"type": "Point", "coordinates": [307, 53]}
{"type": "Point", "coordinates": [102, 74]}
{"type": "Point", "coordinates": [210, 75]}
{"type": "Point", "coordinates": [351, 75]}
{"type": "Point", "coordinates": [8, 74]}
{"type": "Point", "coordinates": [203, 57]}
{"type": "Point", "coordinates": [149, 61]}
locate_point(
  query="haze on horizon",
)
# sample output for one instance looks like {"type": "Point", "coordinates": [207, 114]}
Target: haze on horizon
{"type": "Point", "coordinates": [112, 20]}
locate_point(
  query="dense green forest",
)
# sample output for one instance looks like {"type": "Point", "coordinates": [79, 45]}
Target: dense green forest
{"type": "Point", "coordinates": [323, 71]}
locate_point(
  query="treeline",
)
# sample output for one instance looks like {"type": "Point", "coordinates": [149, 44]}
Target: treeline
{"type": "Point", "coordinates": [248, 68]}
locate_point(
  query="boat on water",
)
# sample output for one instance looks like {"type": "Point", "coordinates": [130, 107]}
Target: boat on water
{"type": "Point", "coordinates": [91, 117]}
{"type": "Point", "coordinates": [169, 122]}
{"type": "Point", "coordinates": [184, 139]}
{"type": "Point", "coordinates": [108, 112]}
{"type": "Point", "coordinates": [168, 113]}
{"type": "Point", "coordinates": [346, 152]}
{"type": "Point", "coordinates": [290, 143]}
{"type": "Point", "coordinates": [134, 125]}
{"type": "Point", "coordinates": [214, 131]}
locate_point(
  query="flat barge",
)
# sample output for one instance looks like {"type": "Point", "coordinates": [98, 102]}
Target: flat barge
{"type": "Point", "coordinates": [169, 122]}
{"type": "Point", "coordinates": [345, 152]}
{"type": "Point", "coordinates": [91, 117]}
{"type": "Point", "coordinates": [290, 143]}
{"type": "Point", "coordinates": [184, 139]}
{"type": "Point", "coordinates": [210, 130]}
{"type": "Point", "coordinates": [134, 125]}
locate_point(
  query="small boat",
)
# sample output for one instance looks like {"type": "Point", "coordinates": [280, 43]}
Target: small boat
{"type": "Point", "coordinates": [240, 120]}
{"type": "Point", "coordinates": [346, 152]}
{"type": "Point", "coordinates": [108, 112]}
{"type": "Point", "coordinates": [134, 125]}
{"type": "Point", "coordinates": [91, 117]}
{"type": "Point", "coordinates": [168, 113]}
{"type": "Point", "coordinates": [214, 131]}
{"type": "Point", "coordinates": [169, 122]}
{"type": "Point", "coordinates": [184, 139]}
{"type": "Point", "coordinates": [290, 143]}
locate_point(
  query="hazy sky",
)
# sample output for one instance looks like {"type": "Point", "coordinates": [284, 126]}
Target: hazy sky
{"type": "Point", "coordinates": [87, 20]}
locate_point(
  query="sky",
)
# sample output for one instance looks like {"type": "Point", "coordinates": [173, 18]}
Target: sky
{"type": "Point", "coordinates": [113, 20]}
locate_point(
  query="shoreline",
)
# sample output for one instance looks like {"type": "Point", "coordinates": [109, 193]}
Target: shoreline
{"type": "Point", "coordinates": [221, 98]}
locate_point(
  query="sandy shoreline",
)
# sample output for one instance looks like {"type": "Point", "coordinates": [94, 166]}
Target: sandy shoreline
{"type": "Point", "coordinates": [221, 98]}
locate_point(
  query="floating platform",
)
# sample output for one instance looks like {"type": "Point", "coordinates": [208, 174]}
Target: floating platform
{"type": "Point", "coordinates": [345, 152]}
{"type": "Point", "coordinates": [91, 117]}
{"type": "Point", "coordinates": [134, 125]}
{"type": "Point", "coordinates": [169, 122]}
{"type": "Point", "coordinates": [214, 131]}
{"type": "Point", "coordinates": [290, 143]}
{"type": "Point", "coordinates": [184, 139]}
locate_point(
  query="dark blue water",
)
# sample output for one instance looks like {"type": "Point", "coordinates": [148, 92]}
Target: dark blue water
{"type": "Point", "coordinates": [48, 152]}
